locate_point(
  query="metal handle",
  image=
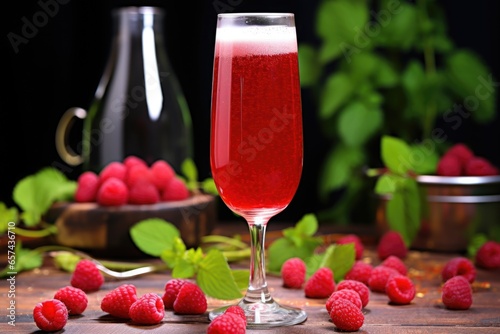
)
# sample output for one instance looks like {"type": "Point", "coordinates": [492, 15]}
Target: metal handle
{"type": "Point", "coordinates": [65, 123]}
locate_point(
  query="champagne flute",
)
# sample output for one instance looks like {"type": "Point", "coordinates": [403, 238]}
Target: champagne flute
{"type": "Point", "coordinates": [256, 143]}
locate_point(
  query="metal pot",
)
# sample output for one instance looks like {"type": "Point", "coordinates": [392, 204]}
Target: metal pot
{"type": "Point", "coordinates": [454, 209]}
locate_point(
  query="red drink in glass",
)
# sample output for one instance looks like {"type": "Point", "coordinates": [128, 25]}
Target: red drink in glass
{"type": "Point", "coordinates": [256, 148]}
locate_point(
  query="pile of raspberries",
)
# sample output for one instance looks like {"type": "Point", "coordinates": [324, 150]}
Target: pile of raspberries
{"type": "Point", "coordinates": [131, 181]}
{"type": "Point", "coordinates": [459, 160]}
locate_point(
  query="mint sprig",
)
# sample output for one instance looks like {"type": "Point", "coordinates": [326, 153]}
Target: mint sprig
{"type": "Point", "coordinates": [160, 238]}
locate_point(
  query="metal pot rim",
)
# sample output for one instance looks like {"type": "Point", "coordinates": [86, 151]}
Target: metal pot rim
{"type": "Point", "coordinates": [458, 180]}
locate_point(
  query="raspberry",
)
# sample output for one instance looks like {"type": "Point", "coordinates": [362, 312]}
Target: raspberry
{"type": "Point", "coordinates": [449, 165]}
{"type": "Point", "coordinates": [50, 315]}
{"type": "Point", "coordinates": [86, 276]}
{"type": "Point", "coordinates": [488, 255]}
{"type": "Point", "coordinates": [320, 284]}
{"type": "Point", "coordinates": [113, 169]}
{"type": "Point", "coordinates": [462, 152]}
{"type": "Point", "coordinates": [360, 271]}
{"type": "Point", "coordinates": [143, 192]}
{"type": "Point", "coordinates": [235, 309]}
{"type": "Point", "coordinates": [133, 160]}
{"type": "Point", "coordinates": [175, 190]}
{"type": "Point", "coordinates": [400, 290]}
{"type": "Point", "coordinates": [457, 293]}
{"type": "Point", "coordinates": [395, 262]}
{"type": "Point", "coordinates": [478, 166]}
{"type": "Point", "coordinates": [358, 244]}
{"type": "Point", "coordinates": [459, 266]}
{"type": "Point", "coordinates": [293, 273]}
{"type": "Point", "coordinates": [147, 310]}
{"type": "Point", "coordinates": [190, 300]}
{"type": "Point", "coordinates": [117, 302]}
{"type": "Point", "coordinates": [162, 173]}
{"type": "Point", "coordinates": [113, 192]}
{"type": "Point", "coordinates": [348, 294]}
{"type": "Point", "coordinates": [360, 288]}
{"type": "Point", "coordinates": [346, 316]}
{"type": "Point", "coordinates": [380, 276]}
{"type": "Point", "coordinates": [391, 243]}
{"type": "Point", "coordinates": [87, 187]}
{"type": "Point", "coordinates": [227, 323]}
{"type": "Point", "coordinates": [172, 288]}
{"type": "Point", "coordinates": [138, 173]}
{"type": "Point", "coordinates": [75, 299]}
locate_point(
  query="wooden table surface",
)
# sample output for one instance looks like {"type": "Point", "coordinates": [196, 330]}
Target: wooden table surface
{"type": "Point", "coordinates": [425, 315]}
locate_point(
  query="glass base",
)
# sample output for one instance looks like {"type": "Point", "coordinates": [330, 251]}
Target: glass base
{"type": "Point", "coordinates": [266, 315]}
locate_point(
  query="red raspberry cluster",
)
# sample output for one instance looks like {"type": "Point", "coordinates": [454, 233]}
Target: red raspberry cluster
{"type": "Point", "coordinates": [459, 160]}
{"type": "Point", "coordinates": [131, 182]}
{"type": "Point", "coordinates": [183, 296]}
{"type": "Point", "coordinates": [233, 321]}
{"type": "Point", "coordinates": [458, 275]}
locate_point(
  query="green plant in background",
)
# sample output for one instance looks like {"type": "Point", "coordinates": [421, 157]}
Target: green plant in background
{"type": "Point", "coordinates": [387, 67]}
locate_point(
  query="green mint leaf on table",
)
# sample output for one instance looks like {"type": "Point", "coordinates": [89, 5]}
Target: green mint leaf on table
{"type": "Point", "coordinates": [215, 277]}
{"type": "Point", "coordinates": [340, 259]}
{"type": "Point", "coordinates": [153, 236]}
{"type": "Point", "coordinates": [35, 193]}
{"type": "Point", "coordinates": [25, 259]}
{"type": "Point", "coordinates": [66, 261]}
{"type": "Point", "coordinates": [298, 241]}
{"type": "Point", "coordinates": [7, 215]}
{"type": "Point", "coordinates": [187, 265]}
{"type": "Point", "coordinates": [241, 277]}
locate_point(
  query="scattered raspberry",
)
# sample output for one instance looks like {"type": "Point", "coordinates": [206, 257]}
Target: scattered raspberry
{"type": "Point", "coordinates": [143, 192]}
{"type": "Point", "coordinates": [395, 262]}
{"type": "Point", "coordinates": [117, 302]}
{"type": "Point", "coordinates": [358, 244]}
{"type": "Point", "coordinates": [462, 152]}
{"type": "Point", "coordinates": [293, 273]}
{"type": "Point", "coordinates": [86, 276]}
{"type": "Point", "coordinates": [175, 190]}
{"type": "Point", "coordinates": [87, 187]}
{"type": "Point", "coordinates": [320, 284]}
{"type": "Point", "coordinates": [75, 299]}
{"type": "Point", "coordinates": [457, 293]}
{"type": "Point", "coordinates": [360, 288]}
{"type": "Point", "coordinates": [172, 288]}
{"type": "Point", "coordinates": [190, 300]}
{"type": "Point", "coordinates": [235, 309]}
{"type": "Point", "coordinates": [459, 266]}
{"type": "Point", "coordinates": [113, 169]}
{"type": "Point", "coordinates": [162, 173]}
{"type": "Point", "coordinates": [391, 243]}
{"type": "Point", "coordinates": [138, 173]}
{"type": "Point", "coordinates": [380, 276]}
{"type": "Point", "coordinates": [488, 255]}
{"type": "Point", "coordinates": [50, 315]}
{"type": "Point", "coordinates": [133, 160]}
{"type": "Point", "coordinates": [478, 166]}
{"type": "Point", "coordinates": [227, 323]}
{"type": "Point", "coordinates": [348, 294]}
{"type": "Point", "coordinates": [346, 316]}
{"type": "Point", "coordinates": [360, 272]}
{"type": "Point", "coordinates": [113, 192]}
{"type": "Point", "coordinates": [449, 165]}
{"type": "Point", "coordinates": [147, 310]}
{"type": "Point", "coordinates": [400, 290]}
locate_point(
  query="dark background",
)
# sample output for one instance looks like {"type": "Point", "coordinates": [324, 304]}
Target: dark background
{"type": "Point", "coordinates": [61, 65]}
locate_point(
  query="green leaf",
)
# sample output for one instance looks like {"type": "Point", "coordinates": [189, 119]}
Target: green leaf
{"type": "Point", "coordinates": [307, 225]}
{"type": "Point", "coordinates": [215, 277]}
{"type": "Point", "coordinates": [7, 215]}
{"type": "Point", "coordinates": [154, 235]}
{"type": "Point", "coordinates": [35, 193]}
{"type": "Point", "coordinates": [25, 259]}
{"type": "Point", "coordinates": [208, 186]}
{"type": "Point", "coordinates": [423, 159]}
{"type": "Point", "coordinates": [313, 263]}
{"type": "Point", "coordinates": [66, 261]}
{"type": "Point", "coordinates": [309, 67]}
{"type": "Point", "coordinates": [401, 30]}
{"type": "Point", "coordinates": [188, 168]}
{"type": "Point", "coordinates": [338, 168]}
{"type": "Point", "coordinates": [386, 184]}
{"type": "Point", "coordinates": [183, 268]}
{"type": "Point", "coordinates": [469, 78]}
{"type": "Point", "coordinates": [357, 124]}
{"type": "Point", "coordinates": [395, 154]}
{"type": "Point", "coordinates": [340, 22]}
{"type": "Point", "coordinates": [336, 92]}
{"type": "Point", "coordinates": [241, 278]}
{"type": "Point", "coordinates": [385, 75]}
{"type": "Point", "coordinates": [283, 249]}
{"type": "Point", "coordinates": [340, 259]}
{"type": "Point", "coordinates": [475, 243]}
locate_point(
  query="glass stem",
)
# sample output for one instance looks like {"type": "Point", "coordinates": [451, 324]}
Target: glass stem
{"type": "Point", "coordinates": [257, 289]}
